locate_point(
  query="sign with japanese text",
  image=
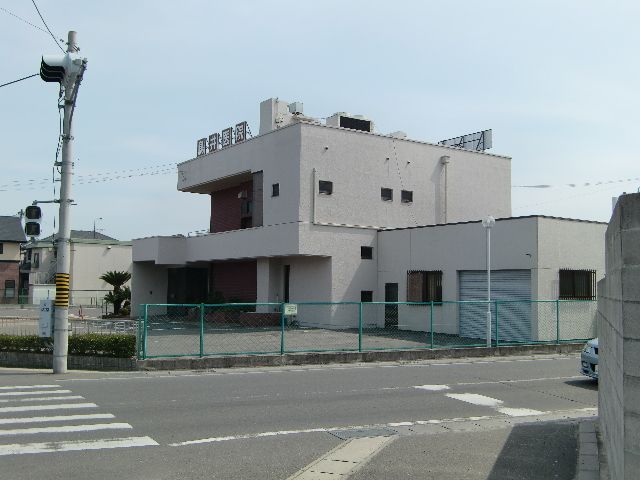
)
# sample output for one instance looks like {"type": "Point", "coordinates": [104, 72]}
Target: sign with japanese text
{"type": "Point", "coordinates": [226, 138]}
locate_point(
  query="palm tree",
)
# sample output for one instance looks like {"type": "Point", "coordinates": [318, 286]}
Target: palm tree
{"type": "Point", "coordinates": [116, 279]}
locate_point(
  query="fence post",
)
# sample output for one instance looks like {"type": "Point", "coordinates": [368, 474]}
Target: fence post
{"type": "Point", "coordinates": [282, 318]}
{"type": "Point", "coordinates": [144, 331]}
{"type": "Point", "coordinates": [201, 330]}
{"type": "Point", "coordinates": [497, 329]}
{"type": "Point", "coordinates": [360, 327]}
{"type": "Point", "coordinates": [557, 322]}
{"type": "Point", "coordinates": [431, 322]}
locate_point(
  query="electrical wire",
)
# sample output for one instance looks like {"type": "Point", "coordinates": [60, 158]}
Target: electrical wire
{"type": "Point", "coordinates": [47, 26]}
{"type": "Point", "coordinates": [25, 21]}
{"type": "Point", "coordinates": [19, 80]}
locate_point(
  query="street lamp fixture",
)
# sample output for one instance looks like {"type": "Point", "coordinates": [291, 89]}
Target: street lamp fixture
{"type": "Point", "coordinates": [488, 223]}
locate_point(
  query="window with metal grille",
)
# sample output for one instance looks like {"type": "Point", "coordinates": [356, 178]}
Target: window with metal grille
{"type": "Point", "coordinates": [275, 190]}
{"type": "Point", "coordinates": [366, 296]}
{"type": "Point", "coordinates": [366, 253]}
{"type": "Point", "coordinates": [325, 187]}
{"type": "Point", "coordinates": [406, 196]}
{"type": "Point", "coordinates": [386, 194]}
{"type": "Point", "coordinates": [577, 284]}
{"type": "Point", "coordinates": [424, 286]}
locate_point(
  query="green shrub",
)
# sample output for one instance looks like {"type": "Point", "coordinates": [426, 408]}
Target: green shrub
{"type": "Point", "coordinates": [95, 344]}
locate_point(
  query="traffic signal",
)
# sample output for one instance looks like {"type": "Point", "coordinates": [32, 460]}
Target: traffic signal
{"type": "Point", "coordinates": [33, 214]}
{"type": "Point", "coordinates": [61, 68]}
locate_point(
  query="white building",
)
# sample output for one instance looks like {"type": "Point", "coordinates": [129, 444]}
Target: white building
{"type": "Point", "coordinates": [301, 213]}
{"type": "Point", "coordinates": [91, 255]}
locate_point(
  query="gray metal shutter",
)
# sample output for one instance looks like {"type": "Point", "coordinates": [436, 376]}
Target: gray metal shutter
{"type": "Point", "coordinates": [514, 318]}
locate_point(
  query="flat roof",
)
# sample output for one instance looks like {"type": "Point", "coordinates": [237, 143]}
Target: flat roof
{"type": "Point", "coordinates": [497, 220]}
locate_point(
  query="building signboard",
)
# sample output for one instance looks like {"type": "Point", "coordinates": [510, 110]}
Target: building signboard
{"type": "Point", "coordinates": [290, 309]}
{"type": "Point", "coordinates": [217, 141]}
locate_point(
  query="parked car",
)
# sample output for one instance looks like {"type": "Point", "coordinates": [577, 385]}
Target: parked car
{"type": "Point", "coordinates": [589, 359]}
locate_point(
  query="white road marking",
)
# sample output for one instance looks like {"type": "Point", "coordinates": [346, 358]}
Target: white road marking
{"type": "Point", "coordinates": [60, 406]}
{"type": "Point", "coordinates": [344, 460]}
{"type": "Point", "coordinates": [575, 413]}
{"type": "Point", "coordinates": [55, 418]}
{"type": "Point", "coordinates": [432, 388]}
{"type": "Point", "coordinates": [519, 412]}
{"type": "Point", "coordinates": [66, 429]}
{"type": "Point", "coordinates": [42, 399]}
{"type": "Point", "coordinates": [28, 387]}
{"type": "Point", "coordinates": [44, 447]}
{"type": "Point", "coordinates": [476, 399]}
{"type": "Point", "coordinates": [33, 392]}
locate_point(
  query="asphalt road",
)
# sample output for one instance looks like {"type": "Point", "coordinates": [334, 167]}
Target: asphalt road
{"type": "Point", "coordinates": [477, 419]}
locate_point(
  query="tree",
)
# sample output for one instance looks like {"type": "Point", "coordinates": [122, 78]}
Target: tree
{"type": "Point", "coordinates": [119, 294]}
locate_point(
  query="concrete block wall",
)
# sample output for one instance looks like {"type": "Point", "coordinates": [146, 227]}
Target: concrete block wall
{"type": "Point", "coordinates": [619, 341]}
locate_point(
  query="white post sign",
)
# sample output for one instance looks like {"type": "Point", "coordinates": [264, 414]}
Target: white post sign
{"type": "Point", "coordinates": [290, 309]}
{"type": "Point", "coordinates": [45, 323]}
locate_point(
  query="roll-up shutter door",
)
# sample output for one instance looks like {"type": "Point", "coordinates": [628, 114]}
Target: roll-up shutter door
{"type": "Point", "coordinates": [514, 318]}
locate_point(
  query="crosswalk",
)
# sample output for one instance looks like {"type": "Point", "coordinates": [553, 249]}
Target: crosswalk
{"type": "Point", "coordinates": [49, 418]}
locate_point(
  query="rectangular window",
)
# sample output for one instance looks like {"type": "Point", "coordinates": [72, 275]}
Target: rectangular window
{"type": "Point", "coordinates": [275, 190]}
{"type": "Point", "coordinates": [325, 187]}
{"type": "Point", "coordinates": [406, 196]}
{"type": "Point", "coordinates": [577, 284]}
{"type": "Point", "coordinates": [386, 194]}
{"type": "Point", "coordinates": [1, 248]}
{"type": "Point", "coordinates": [366, 296]}
{"type": "Point", "coordinates": [366, 253]}
{"type": "Point", "coordinates": [36, 260]}
{"type": "Point", "coordinates": [9, 288]}
{"type": "Point", "coordinates": [424, 286]}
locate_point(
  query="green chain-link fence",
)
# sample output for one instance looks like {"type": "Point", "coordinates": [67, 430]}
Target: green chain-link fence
{"type": "Point", "coordinates": [170, 330]}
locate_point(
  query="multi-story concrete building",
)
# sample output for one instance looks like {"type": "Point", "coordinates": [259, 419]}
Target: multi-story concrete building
{"type": "Point", "coordinates": [301, 212]}
{"type": "Point", "coordinates": [292, 207]}
{"type": "Point", "coordinates": [11, 238]}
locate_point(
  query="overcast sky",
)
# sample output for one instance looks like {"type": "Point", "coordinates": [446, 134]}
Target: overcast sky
{"type": "Point", "coordinates": [557, 81]}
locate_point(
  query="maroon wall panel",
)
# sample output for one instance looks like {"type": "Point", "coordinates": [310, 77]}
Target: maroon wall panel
{"type": "Point", "coordinates": [225, 207]}
{"type": "Point", "coordinates": [235, 280]}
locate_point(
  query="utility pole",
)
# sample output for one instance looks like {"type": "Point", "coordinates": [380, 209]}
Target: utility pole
{"type": "Point", "coordinates": [68, 71]}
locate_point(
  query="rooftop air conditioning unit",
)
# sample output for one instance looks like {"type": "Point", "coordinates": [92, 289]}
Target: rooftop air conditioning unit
{"type": "Point", "coordinates": [354, 122]}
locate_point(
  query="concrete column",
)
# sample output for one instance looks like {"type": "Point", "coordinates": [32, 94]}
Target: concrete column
{"type": "Point", "coordinates": [263, 279]}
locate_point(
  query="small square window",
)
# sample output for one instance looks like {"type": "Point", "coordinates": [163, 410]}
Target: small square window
{"type": "Point", "coordinates": [577, 284]}
{"type": "Point", "coordinates": [366, 296]}
{"type": "Point", "coordinates": [406, 196]}
{"type": "Point", "coordinates": [424, 286]}
{"type": "Point", "coordinates": [275, 190]}
{"type": "Point", "coordinates": [386, 194]}
{"type": "Point", "coordinates": [366, 253]}
{"type": "Point", "coordinates": [325, 187]}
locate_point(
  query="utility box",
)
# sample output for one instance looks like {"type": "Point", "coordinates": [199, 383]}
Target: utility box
{"type": "Point", "coordinates": [46, 320]}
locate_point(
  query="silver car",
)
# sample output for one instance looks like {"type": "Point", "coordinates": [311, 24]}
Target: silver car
{"type": "Point", "coordinates": [589, 359]}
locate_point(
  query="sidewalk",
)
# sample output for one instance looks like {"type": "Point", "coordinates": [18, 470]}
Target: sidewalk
{"type": "Point", "coordinates": [557, 449]}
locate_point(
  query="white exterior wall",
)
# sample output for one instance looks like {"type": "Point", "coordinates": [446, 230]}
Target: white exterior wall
{"type": "Point", "coordinates": [276, 154]}
{"type": "Point", "coordinates": [450, 248]}
{"type": "Point", "coordinates": [359, 164]}
{"type": "Point", "coordinates": [10, 251]}
{"type": "Point", "coordinates": [90, 260]}
{"type": "Point", "coordinates": [149, 284]}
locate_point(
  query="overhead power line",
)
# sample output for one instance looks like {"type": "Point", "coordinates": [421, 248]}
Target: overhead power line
{"type": "Point", "coordinates": [577, 185]}
{"type": "Point", "coordinates": [47, 26]}
{"type": "Point", "coordinates": [25, 21]}
{"type": "Point", "coordinates": [19, 80]}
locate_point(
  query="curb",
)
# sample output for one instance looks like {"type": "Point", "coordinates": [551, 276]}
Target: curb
{"type": "Point", "coordinates": [588, 467]}
{"type": "Point", "coordinates": [321, 358]}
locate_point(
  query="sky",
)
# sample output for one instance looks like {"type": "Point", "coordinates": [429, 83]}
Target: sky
{"type": "Point", "coordinates": [556, 81]}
